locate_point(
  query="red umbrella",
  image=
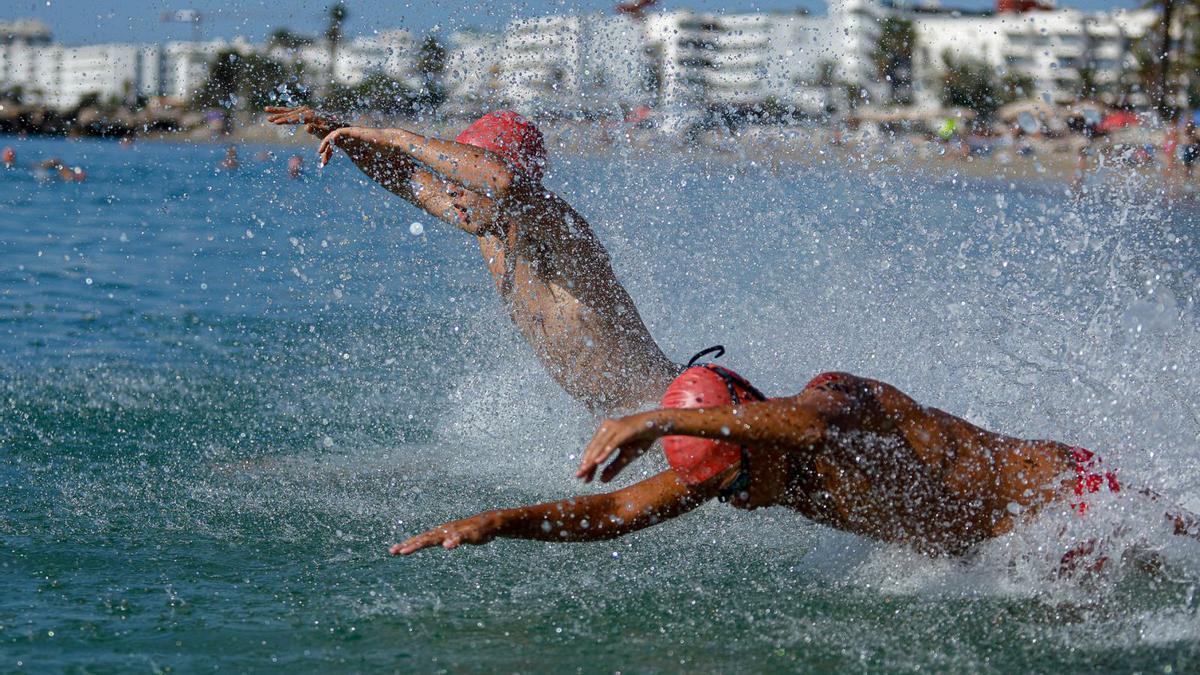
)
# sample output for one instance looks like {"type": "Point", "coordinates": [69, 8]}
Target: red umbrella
{"type": "Point", "coordinates": [1117, 120]}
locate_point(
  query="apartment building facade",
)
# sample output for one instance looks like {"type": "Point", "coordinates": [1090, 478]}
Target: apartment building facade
{"type": "Point", "coordinates": [676, 60]}
{"type": "Point", "coordinates": [1064, 52]}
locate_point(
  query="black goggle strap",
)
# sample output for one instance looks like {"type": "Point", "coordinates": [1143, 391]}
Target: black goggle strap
{"type": "Point", "coordinates": [732, 381]}
{"type": "Point", "coordinates": [718, 349]}
{"type": "Point", "coordinates": [740, 482]}
{"type": "Point", "coordinates": [728, 376]}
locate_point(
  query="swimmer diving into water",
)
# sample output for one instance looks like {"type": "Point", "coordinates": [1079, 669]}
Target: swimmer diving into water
{"type": "Point", "coordinates": [852, 453]}
{"type": "Point", "coordinates": [550, 268]}
{"type": "Point", "coordinates": [849, 452]}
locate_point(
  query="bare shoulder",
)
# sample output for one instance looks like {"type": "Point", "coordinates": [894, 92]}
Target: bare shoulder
{"type": "Point", "coordinates": [845, 395]}
{"type": "Point", "coordinates": [850, 387]}
{"type": "Point", "coordinates": [539, 204]}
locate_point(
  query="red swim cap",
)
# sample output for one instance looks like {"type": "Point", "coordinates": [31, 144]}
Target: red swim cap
{"type": "Point", "coordinates": [696, 460]}
{"type": "Point", "coordinates": [511, 136]}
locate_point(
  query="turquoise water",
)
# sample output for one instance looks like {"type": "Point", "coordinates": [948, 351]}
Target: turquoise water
{"type": "Point", "coordinates": [224, 394]}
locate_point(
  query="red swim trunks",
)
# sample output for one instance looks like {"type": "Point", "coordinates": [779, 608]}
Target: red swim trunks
{"type": "Point", "coordinates": [1089, 477]}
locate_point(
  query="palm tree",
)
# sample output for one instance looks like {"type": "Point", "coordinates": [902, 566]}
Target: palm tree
{"type": "Point", "coordinates": [1164, 56]}
{"type": "Point", "coordinates": [333, 35]}
{"type": "Point", "coordinates": [431, 63]}
{"type": "Point", "coordinates": [893, 57]}
{"type": "Point", "coordinates": [1176, 17]}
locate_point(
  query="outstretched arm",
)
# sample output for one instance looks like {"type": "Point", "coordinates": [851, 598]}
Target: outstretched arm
{"type": "Point", "coordinates": [441, 198]}
{"type": "Point", "coordinates": [467, 165]}
{"type": "Point", "coordinates": [583, 518]}
{"type": "Point", "coordinates": [774, 424]}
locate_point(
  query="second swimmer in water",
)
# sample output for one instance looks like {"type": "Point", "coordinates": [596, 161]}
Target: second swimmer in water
{"type": "Point", "coordinates": [852, 453]}
{"type": "Point", "coordinates": [549, 266]}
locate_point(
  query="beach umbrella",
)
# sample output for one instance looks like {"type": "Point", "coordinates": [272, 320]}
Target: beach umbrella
{"type": "Point", "coordinates": [1117, 120]}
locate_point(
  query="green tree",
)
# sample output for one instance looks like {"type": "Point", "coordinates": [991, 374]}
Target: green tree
{"type": "Point", "coordinates": [13, 94]}
{"type": "Point", "coordinates": [1088, 87]}
{"type": "Point", "coordinates": [89, 100]}
{"type": "Point", "coordinates": [1169, 56]}
{"type": "Point", "coordinates": [827, 81]}
{"type": "Point", "coordinates": [377, 93]}
{"type": "Point", "coordinates": [246, 81]}
{"type": "Point", "coordinates": [1162, 94]}
{"type": "Point", "coordinates": [431, 64]}
{"type": "Point", "coordinates": [386, 95]}
{"type": "Point", "coordinates": [224, 78]}
{"type": "Point", "coordinates": [893, 57]}
{"type": "Point", "coordinates": [970, 83]}
{"type": "Point", "coordinates": [283, 38]}
{"type": "Point", "coordinates": [1015, 86]}
{"type": "Point", "coordinates": [336, 16]}
{"type": "Point", "coordinates": [856, 94]}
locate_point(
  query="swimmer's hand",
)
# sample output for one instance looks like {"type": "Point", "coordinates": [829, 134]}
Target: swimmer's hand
{"type": "Point", "coordinates": [333, 139]}
{"type": "Point", "coordinates": [479, 529]}
{"type": "Point", "coordinates": [630, 437]}
{"type": "Point", "coordinates": [316, 123]}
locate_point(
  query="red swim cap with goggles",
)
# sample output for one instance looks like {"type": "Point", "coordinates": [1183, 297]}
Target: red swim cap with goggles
{"type": "Point", "coordinates": [705, 385]}
{"type": "Point", "coordinates": [512, 137]}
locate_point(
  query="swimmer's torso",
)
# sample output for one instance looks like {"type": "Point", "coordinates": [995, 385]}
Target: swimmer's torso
{"type": "Point", "coordinates": [894, 470]}
{"type": "Point", "coordinates": [564, 298]}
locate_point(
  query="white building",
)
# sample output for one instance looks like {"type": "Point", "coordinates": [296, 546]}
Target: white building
{"type": "Point", "coordinates": [852, 33]}
{"type": "Point", "coordinates": [571, 64]}
{"type": "Point", "coordinates": [111, 72]}
{"type": "Point", "coordinates": [392, 54]}
{"type": "Point", "coordinates": [185, 67]}
{"type": "Point", "coordinates": [21, 62]}
{"type": "Point", "coordinates": [615, 67]}
{"type": "Point", "coordinates": [541, 63]}
{"type": "Point", "coordinates": [677, 61]}
{"type": "Point", "coordinates": [688, 61]}
{"type": "Point", "coordinates": [1054, 48]}
{"type": "Point", "coordinates": [472, 70]}
{"type": "Point", "coordinates": [61, 77]}
{"type": "Point", "coordinates": [28, 32]}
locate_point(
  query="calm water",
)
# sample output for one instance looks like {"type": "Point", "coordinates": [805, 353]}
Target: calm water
{"type": "Point", "coordinates": [224, 394]}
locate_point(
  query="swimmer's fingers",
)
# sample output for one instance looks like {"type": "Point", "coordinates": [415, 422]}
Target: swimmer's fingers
{"type": "Point", "coordinates": [414, 544]}
{"type": "Point", "coordinates": [315, 123]}
{"type": "Point", "coordinates": [598, 450]}
{"type": "Point", "coordinates": [634, 433]}
{"type": "Point", "coordinates": [438, 536]}
{"type": "Point", "coordinates": [625, 456]}
{"type": "Point", "coordinates": [478, 529]}
{"type": "Point", "coordinates": [300, 115]}
{"type": "Point", "coordinates": [325, 150]}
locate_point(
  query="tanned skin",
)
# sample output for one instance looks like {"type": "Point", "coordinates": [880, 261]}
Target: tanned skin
{"type": "Point", "coordinates": [550, 269]}
{"type": "Point", "coordinates": [860, 456]}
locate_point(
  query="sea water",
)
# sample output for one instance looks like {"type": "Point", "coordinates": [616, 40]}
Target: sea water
{"type": "Point", "coordinates": [223, 394]}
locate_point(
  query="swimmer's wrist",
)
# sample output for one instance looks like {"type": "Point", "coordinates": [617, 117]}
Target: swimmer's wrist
{"type": "Point", "coordinates": [660, 421]}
